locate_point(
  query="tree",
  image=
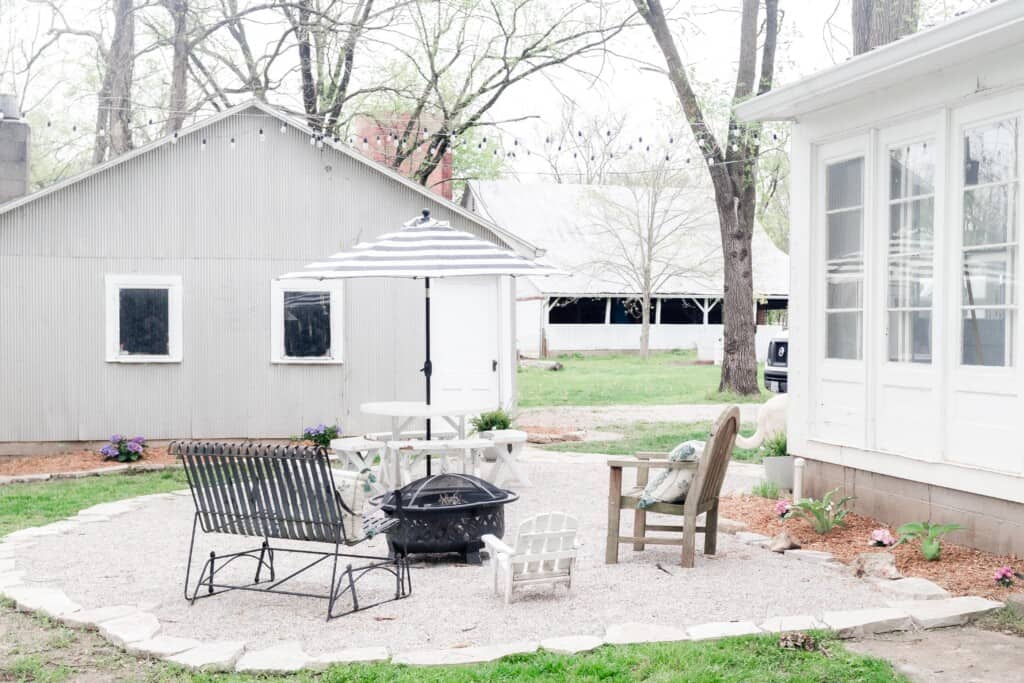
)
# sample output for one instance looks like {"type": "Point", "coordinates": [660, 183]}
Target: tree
{"type": "Point", "coordinates": [878, 22]}
{"type": "Point", "coordinates": [114, 106]}
{"type": "Point", "coordinates": [732, 165]}
{"type": "Point", "coordinates": [179, 39]}
{"type": "Point", "coordinates": [586, 149]}
{"type": "Point", "coordinates": [651, 231]}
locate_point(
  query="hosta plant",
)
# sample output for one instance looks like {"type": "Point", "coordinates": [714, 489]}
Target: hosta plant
{"type": "Point", "coordinates": [824, 515]}
{"type": "Point", "coordinates": [929, 534]}
{"type": "Point", "coordinates": [321, 434]}
{"type": "Point", "coordinates": [123, 449]}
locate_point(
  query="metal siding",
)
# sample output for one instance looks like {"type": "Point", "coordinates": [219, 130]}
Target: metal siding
{"type": "Point", "coordinates": [227, 221]}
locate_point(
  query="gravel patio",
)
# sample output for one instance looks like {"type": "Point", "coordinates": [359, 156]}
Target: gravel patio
{"type": "Point", "coordinates": [139, 559]}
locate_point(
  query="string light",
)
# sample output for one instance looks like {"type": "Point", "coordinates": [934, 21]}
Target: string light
{"type": "Point", "coordinates": [284, 129]}
{"type": "Point", "coordinates": [202, 145]}
{"type": "Point", "coordinates": [174, 138]}
{"type": "Point", "coordinates": [232, 144]}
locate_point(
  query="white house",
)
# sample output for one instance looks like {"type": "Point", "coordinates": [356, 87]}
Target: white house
{"type": "Point", "coordinates": [906, 353]}
{"type": "Point", "coordinates": [142, 296]}
{"type": "Point", "coordinates": [587, 310]}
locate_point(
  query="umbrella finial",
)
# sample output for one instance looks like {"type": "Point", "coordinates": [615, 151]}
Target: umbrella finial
{"type": "Point", "coordinates": [426, 216]}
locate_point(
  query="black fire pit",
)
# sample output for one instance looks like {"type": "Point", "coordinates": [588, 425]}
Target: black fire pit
{"type": "Point", "coordinates": [447, 513]}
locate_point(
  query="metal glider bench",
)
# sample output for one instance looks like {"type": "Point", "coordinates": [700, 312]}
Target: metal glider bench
{"type": "Point", "coordinates": [283, 493]}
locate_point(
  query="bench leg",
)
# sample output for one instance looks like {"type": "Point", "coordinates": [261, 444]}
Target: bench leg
{"type": "Point", "coordinates": [711, 530]}
{"type": "Point", "coordinates": [689, 540]}
{"type": "Point", "coordinates": [639, 527]}
{"type": "Point", "coordinates": [611, 551]}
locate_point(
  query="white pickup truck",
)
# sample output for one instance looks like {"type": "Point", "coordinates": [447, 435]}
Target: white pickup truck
{"type": "Point", "coordinates": [776, 366]}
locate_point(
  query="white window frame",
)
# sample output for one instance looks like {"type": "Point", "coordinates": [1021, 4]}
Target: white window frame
{"type": "Point", "coordinates": [277, 290]}
{"type": "Point", "coordinates": [114, 283]}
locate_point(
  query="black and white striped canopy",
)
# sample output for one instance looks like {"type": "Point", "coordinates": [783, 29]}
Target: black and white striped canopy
{"type": "Point", "coordinates": [422, 248]}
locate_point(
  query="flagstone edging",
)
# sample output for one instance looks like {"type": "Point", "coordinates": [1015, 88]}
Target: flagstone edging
{"type": "Point", "coordinates": [81, 474]}
{"type": "Point", "coordinates": [139, 632]}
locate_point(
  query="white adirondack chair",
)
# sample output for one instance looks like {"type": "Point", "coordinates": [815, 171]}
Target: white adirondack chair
{"type": "Point", "coordinates": [544, 551]}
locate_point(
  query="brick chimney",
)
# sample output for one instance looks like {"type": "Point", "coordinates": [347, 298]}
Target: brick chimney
{"type": "Point", "coordinates": [15, 138]}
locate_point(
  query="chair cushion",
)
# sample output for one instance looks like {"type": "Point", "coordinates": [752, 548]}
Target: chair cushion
{"type": "Point", "coordinates": [671, 486]}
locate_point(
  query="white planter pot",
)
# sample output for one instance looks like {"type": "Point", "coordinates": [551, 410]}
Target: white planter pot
{"type": "Point", "coordinates": [779, 470]}
{"type": "Point", "coordinates": [501, 438]}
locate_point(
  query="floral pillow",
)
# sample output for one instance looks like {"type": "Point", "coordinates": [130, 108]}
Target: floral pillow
{"type": "Point", "coordinates": [351, 487]}
{"type": "Point", "coordinates": [671, 486]}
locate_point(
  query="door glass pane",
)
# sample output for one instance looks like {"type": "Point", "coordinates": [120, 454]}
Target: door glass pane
{"type": "Point", "coordinates": [910, 336]}
{"type": "Point", "coordinates": [988, 336]}
{"type": "Point", "coordinates": [844, 335]}
{"type": "Point", "coordinates": [988, 277]}
{"type": "Point", "coordinates": [844, 234]}
{"type": "Point", "coordinates": [843, 184]}
{"type": "Point", "coordinates": [910, 225]}
{"type": "Point", "coordinates": [990, 153]}
{"type": "Point", "coordinates": [143, 322]}
{"type": "Point", "coordinates": [307, 324]}
{"type": "Point", "coordinates": [911, 170]}
{"type": "Point", "coordinates": [988, 215]}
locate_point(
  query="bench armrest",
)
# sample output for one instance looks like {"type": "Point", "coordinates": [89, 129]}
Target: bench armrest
{"type": "Point", "coordinates": [648, 455]}
{"type": "Point", "coordinates": [660, 465]}
{"type": "Point", "coordinates": [495, 545]}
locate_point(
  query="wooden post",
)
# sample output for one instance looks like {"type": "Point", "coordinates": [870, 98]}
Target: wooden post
{"type": "Point", "coordinates": [611, 551]}
{"type": "Point", "coordinates": [711, 530]}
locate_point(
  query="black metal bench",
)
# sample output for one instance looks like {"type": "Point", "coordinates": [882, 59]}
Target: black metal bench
{"type": "Point", "coordinates": [282, 493]}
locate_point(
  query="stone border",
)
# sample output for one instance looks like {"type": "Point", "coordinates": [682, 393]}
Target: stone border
{"type": "Point", "coordinates": [82, 474]}
{"type": "Point", "coordinates": [139, 632]}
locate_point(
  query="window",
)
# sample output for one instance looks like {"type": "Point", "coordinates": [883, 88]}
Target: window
{"type": "Point", "coordinates": [306, 321]}
{"type": "Point", "coordinates": [582, 311]}
{"type": "Point", "coordinates": [680, 312]}
{"type": "Point", "coordinates": [143, 318]}
{"type": "Point", "coordinates": [910, 252]}
{"type": "Point", "coordinates": [629, 311]}
{"type": "Point", "coordinates": [989, 246]}
{"type": "Point", "coordinates": [772, 312]}
{"type": "Point", "coordinates": [844, 259]}
{"type": "Point", "coordinates": [714, 311]}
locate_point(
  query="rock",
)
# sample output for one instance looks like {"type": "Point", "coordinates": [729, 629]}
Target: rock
{"type": "Point", "coordinates": [752, 539]}
{"type": "Point", "coordinates": [281, 658]}
{"type": "Point", "coordinates": [860, 622]}
{"type": "Point", "coordinates": [782, 543]}
{"type": "Point", "coordinates": [218, 655]}
{"type": "Point", "coordinates": [911, 588]}
{"type": "Point", "coordinates": [815, 556]}
{"type": "Point", "coordinates": [570, 645]}
{"type": "Point", "coordinates": [730, 526]}
{"type": "Point", "coordinates": [801, 622]}
{"type": "Point", "coordinates": [950, 612]}
{"type": "Point", "coordinates": [6, 565]}
{"type": "Point", "coordinates": [624, 634]}
{"type": "Point", "coordinates": [91, 618]}
{"type": "Point", "coordinates": [161, 646]}
{"type": "Point", "coordinates": [11, 579]}
{"type": "Point", "coordinates": [50, 601]}
{"type": "Point", "coordinates": [130, 628]}
{"type": "Point", "coordinates": [878, 565]}
{"type": "Point", "coordinates": [467, 655]}
{"type": "Point", "coordinates": [722, 629]}
{"type": "Point", "coordinates": [1016, 603]}
{"type": "Point", "coordinates": [552, 365]}
{"type": "Point", "coordinates": [358, 655]}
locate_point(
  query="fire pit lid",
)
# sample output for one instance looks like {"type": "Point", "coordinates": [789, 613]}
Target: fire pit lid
{"type": "Point", "coordinates": [449, 491]}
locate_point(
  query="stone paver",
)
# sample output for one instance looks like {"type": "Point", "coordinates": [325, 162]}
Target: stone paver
{"type": "Point", "coordinates": [52, 602]}
{"type": "Point", "coordinates": [6, 565]}
{"type": "Point", "coordinates": [911, 588]}
{"type": "Point", "coordinates": [722, 629]}
{"type": "Point", "coordinates": [801, 622]}
{"type": "Point", "coordinates": [360, 655]}
{"type": "Point", "coordinates": [11, 579]}
{"type": "Point", "coordinates": [570, 645]}
{"type": "Point", "coordinates": [109, 509]}
{"type": "Point", "coordinates": [751, 538]}
{"type": "Point", "coordinates": [951, 612]}
{"type": "Point", "coordinates": [860, 622]}
{"type": "Point", "coordinates": [284, 657]}
{"type": "Point", "coordinates": [468, 655]}
{"type": "Point", "coordinates": [161, 646]}
{"type": "Point", "coordinates": [92, 618]}
{"type": "Point", "coordinates": [130, 628]}
{"type": "Point", "coordinates": [815, 556]}
{"type": "Point", "coordinates": [623, 634]}
{"type": "Point", "coordinates": [6, 551]}
{"type": "Point", "coordinates": [219, 655]}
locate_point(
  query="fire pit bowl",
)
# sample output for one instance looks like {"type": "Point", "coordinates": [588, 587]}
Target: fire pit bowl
{"type": "Point", "coordinates": [447, 513]}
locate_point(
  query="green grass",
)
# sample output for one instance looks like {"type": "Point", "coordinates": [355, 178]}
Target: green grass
{"type": "Point", "coordinates": [766, 489]}
{"type": "Point", "coordinates": [1005, 620]}
{"type": "Point", "coordinates": [38, 503]}
{"type": "Point", "coordinates": [652, 436]}
{"type": "Point", "coordinates": [670, 377]}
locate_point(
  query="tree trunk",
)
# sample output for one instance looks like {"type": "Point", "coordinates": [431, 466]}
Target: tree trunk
{"type": "Point", "coordinates": [879, 22]}
{"type": "Point", "coordinates": [645, 326]}
{"type": "Point", "coordinates": [120, 67]}
{"type": "Point", "coordinates": [739, 358]}
{"type": "Point", "coordinates": [178, 100]}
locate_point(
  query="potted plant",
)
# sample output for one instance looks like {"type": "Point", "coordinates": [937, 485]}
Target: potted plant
{"type": "Point", "coordinates": [495, 425]}
{"type": "Point", "coordinates": [778, 463]}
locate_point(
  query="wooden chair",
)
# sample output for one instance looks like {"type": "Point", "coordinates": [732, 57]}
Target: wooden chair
{"type": "Point", "coordinates": [705, 490]}
{"type": "Point", "coordinates": [543, 552]}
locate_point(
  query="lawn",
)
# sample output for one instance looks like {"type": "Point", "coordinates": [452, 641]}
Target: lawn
{"type": "Point", "coordinates": [652, 436]}
{"type": "Point", "coordinates": [671, 377]}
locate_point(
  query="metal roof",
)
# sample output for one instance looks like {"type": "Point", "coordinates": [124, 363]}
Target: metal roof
{"type": "Point", "coordinates": [560, 219]}
{"type": "Point", "coordinates": [512, 240]}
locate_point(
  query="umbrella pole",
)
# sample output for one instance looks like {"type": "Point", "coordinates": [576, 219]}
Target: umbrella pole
{"type": "Point", "coordinates": [428, 369]}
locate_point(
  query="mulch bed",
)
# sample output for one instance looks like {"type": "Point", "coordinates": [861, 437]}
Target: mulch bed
{"type": "Point", "coordinates": [76, 461]}
{"type": "Point", "coordinates": [960, 570]}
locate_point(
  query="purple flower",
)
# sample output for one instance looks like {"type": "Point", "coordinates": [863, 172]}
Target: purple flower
{"type": "Point", "coordinates": [138, 439]}
{"type": "Point", "coordinates": [116, 438]}
{"type": "Point", "coordinates": [782, 508]}
{"type": "Point", "coordinates": [108, 451]}
{"type": "Point", "coordinates": [135, 447]}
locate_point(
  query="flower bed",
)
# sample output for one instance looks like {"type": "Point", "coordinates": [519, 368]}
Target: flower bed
{"type": "Point", "coordinates": [75, 461]}
{"type": "Point", "coordinates": [961, 570]}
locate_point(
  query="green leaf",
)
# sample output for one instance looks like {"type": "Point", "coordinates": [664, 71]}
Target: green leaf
{"type": "Point", "coordinates": [931, 548]}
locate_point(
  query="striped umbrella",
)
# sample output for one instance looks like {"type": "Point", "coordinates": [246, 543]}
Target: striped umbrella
{"type": "Point", "coordinates": [423, 248]}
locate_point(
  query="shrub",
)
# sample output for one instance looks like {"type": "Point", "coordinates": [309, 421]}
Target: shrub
{"type": "Point", "coordinates": [123, 449]}
{"type": "Point", "coordinates": [783, 507]}
{"type": "Point", "coordinates": [1004, 576]}
{"type": "Point", "coordinates": [930, 535]}
{"type": "Point", "coordinates": [825, 514]}
{"type": "Point", "coordinates": [321, 434]}
{"type": "Point", "coordinates": [766, 489]}
{"type": "Point", "coordinates": [882, 538]}
{"type": "Point", "coordinates": [491, 421]}
{"type": "Point", "coordinates": [775, 445]}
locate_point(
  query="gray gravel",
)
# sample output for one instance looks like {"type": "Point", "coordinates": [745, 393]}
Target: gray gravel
{"type": "Point", "coordinates": [139, 559]}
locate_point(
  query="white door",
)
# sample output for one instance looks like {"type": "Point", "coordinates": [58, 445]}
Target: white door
{"type": "Point", "coordinates": [464, 334]}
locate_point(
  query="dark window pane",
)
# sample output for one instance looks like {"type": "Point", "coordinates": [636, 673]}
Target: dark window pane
{"type": "Point", "coordinates": [715, 314]}
{"type": "Point", "coordinates": [307, 324]}
{"type": "Point", "coordinates": [628, 311]}
{"type": "Point", "coordinates": [143, 321]}
{"type": "Point", "coordinates": [772, 312]}
{"type": "Point", "coordinates": [582, 311]}
{"type": "Point", "coordinates": [987, 337]}
{"type": "Point", "coordinates": [680, 312]}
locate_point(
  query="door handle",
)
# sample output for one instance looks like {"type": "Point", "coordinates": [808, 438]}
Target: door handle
{"type": "Point", "coordinates": [494, 366]}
